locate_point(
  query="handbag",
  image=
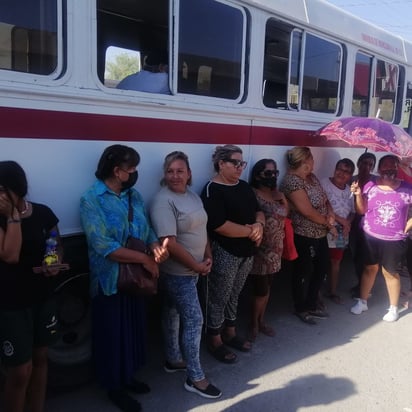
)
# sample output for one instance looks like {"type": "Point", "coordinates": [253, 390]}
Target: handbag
{"type": "Point", "coordinates": [289, 249]}
{"type": "Point", "coordinates": [133, 278]}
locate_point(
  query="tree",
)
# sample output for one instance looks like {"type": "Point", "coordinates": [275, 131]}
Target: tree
{"type": "Point", "coordinates": [123, 65]}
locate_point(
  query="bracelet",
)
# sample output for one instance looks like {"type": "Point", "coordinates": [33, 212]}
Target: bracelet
{"type": "Point", "coordinates": [13, 220]}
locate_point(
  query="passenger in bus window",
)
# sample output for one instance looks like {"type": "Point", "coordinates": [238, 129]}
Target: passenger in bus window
{"type": "Point", "coordinates": [177, 214]}
{"type": "Point", "coordinates": [312, 218]}
{"type": "Point", "coordinates": [153, 78]}
{"type": "Point", "coordinates": [235, 226]}
{"type": "Point", "coordinates": [28, 323]}
{"type": "Point", "coordinates": [365, 164]}
{"type": "Point", "coordinates": [118, 320]}
{"type": "Point", "coordinates": [267, 260]}
{"type": "Point", "coordinates": [341, 200]}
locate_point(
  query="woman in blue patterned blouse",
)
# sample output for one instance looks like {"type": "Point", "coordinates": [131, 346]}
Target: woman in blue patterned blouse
{"type": "Point", "coordinates": [118, 326]}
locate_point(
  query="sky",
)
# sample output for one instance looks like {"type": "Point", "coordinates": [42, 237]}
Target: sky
{"type": "Point", "coordinates": [394, 16]}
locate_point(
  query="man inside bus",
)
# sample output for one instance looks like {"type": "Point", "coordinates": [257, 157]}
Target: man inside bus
{"type": "Point", "coordinates": [153, 78]}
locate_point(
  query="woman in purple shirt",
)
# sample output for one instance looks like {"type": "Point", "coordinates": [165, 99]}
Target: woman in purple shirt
{"type": "Point", "coordinates": [385, 204]}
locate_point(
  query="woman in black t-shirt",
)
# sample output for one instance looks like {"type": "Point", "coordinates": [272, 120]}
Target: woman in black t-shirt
{"type": "Point", "coordinates": [27, 314]}
{"type": "Point", "coordinates": [235, 226]}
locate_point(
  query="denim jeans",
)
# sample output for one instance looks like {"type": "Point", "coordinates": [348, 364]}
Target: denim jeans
{"type": "Point", "coordinates": [182, 322]}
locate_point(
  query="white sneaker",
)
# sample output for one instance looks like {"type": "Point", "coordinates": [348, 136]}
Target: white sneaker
{"type": "Point", "coordinates": [392, 315]}
{"type": "Point", "coordinates": [359, 307]}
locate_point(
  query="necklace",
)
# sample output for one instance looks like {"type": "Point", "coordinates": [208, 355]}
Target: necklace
{"type": "Point", "coordinates": [26, 208]}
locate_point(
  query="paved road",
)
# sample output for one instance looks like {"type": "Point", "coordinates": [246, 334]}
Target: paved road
{"type": "Point", "coordinates": [345, 363]}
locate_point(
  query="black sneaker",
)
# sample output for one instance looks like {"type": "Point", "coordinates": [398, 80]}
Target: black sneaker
{"type": "Point", "coordinates": [318, 314]}
{"type": "Point", "coordinates": [211, 392]}
{"type": "Point", "coordinates": [169, 368]}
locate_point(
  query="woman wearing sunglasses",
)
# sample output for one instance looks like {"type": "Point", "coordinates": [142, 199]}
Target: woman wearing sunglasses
{"type": "Point", "coordinates": [235, 227]}
{"type": "Point", "coordinates": [268, 258]}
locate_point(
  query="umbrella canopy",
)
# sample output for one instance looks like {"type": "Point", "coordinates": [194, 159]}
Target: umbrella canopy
{"type": "Point", "coordinates": [374, 134]}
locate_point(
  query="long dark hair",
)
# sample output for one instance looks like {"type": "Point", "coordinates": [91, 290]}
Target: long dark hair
{"type": "Point", "coordinates": [116, 155]}
{"type": "Point", "coordinates": [13, 178]}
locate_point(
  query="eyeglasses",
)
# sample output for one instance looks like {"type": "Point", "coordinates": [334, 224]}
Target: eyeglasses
{"type": "Point", "coordinates": [270, 173]}
{"type": "Point", "coordinates": [237, 163]}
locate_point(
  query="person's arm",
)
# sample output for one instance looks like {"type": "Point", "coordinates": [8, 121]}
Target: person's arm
{"type": "Point", "coordinates": [361, 202]}
{"type": "Point", "coordinates": [11, 238]}
{"type": "Point", "coordinates": [302, 204]}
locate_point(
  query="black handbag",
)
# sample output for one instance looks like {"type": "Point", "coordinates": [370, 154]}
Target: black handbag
{"type": "Point", "coordinates": [134, 279]}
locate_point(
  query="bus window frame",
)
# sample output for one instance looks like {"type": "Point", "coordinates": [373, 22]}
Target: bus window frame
{"type": "Point", "coordinates": [23, 77]}
{"type": "Point", "coordinates": [174, 56]}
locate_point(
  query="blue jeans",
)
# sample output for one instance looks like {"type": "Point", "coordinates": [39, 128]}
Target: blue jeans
{"type": "Point", "coordinates": [182, 322]}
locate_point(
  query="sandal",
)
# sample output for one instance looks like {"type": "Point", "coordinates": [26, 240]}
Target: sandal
{"type": "Point", "coordinates": [335, 298]}
{"type": "Point", "coordinates": [223, 354]}
{"type": "Point", "coordinates": [238, 344]}
{"type": "Point", "coordinates": [267, 330]}
{"type": "Point", "coordinates": [306, 318]}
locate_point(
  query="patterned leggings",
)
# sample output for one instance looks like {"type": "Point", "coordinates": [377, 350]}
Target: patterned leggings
{"type": "Point", "coordinates": [226, 281]}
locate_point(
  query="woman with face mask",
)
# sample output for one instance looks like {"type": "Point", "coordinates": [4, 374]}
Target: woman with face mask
{"type": "Point", "coordinates": [268, 258]}
{"type": "Point", "coordinates": [118, 326]}
{"type": "Point", "coordinates": [385, 205]}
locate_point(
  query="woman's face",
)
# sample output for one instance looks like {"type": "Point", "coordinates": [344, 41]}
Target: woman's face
{"type": "Point", "coordinates": [365, 166]}
{"type": "Point", "coordinates": [388, 169]}
{"type": "Point", "coordinates": [177, 175]}
{"type": "Point", "coordinates": [232, 167]}
{"type": "Point", "coordinates": [308, 165]}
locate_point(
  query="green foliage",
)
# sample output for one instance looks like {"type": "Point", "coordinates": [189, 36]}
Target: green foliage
{"type": "Point", "coordinates": [123, 65]}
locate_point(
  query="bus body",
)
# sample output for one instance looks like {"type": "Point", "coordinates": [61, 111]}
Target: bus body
{"type": "Point", "coordinates": [260, 74]}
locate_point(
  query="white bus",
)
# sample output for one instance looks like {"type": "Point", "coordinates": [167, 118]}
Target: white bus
{"type": "Point", "coordinates": [260, 74]}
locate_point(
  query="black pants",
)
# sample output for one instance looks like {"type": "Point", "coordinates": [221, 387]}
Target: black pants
{"type": "Point", "coordinates": [357, 246]}
{"type": "Point", "coordinates": [310, 270]}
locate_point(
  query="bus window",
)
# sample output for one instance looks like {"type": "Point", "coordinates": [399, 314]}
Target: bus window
{"type": "Point", "coordinates": [126, 32]}
{"type": "Point", "coordinates": [384, 96]}
{"type": "Point", "coordinates": [28, 36]}
{"type": "Point", "coordinates": [211, 44]}
{"type": "Point", "coordinates": [361, 85]}
{"type": "Point", "coordinates": [316, 88]}
{"type": "Point", "coordinates": [276, 64]}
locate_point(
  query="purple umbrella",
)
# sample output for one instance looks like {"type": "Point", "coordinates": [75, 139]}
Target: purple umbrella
{"type": "Point", "coordinates": [374, 134]}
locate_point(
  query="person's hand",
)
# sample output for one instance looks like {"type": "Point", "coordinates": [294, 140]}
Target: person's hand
{"type": "Point", "coordinates": [256, 233]}
{"type": "Point", "coordinates": [334, 232]}
{"type": "Point", "coordinates": [204, 267]}
{"type": "Point", "coordinates": [355, 188]}
{"type": "Point", "coordinates": [6, 207]}
{"type": "Point", "coordinates": [160, 252]}
{"type": "Point", "coordinates": [151, 266]}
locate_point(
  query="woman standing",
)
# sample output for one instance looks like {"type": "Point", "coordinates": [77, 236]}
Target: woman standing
{"type": "Point", "coordinates": [27, 311]}
{"type": "Point", "coordinates": [178, 215]}
{"type": "Point", "coordinates": [385, 205]}
{"type": "Point", "coordinates": [118, 321]}
{"type": "Point", "coordinates": [312, 218]}
{"type": "Point", "coordinates": [235, 226]}
{"type": "Point", "coordinates": [268, 258]}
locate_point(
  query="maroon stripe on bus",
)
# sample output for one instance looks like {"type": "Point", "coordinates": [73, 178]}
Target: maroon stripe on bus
{"type": "Point", "coordinates": [48, 124]}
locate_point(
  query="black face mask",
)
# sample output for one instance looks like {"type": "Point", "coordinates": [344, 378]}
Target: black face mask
{"type": "Point", "coordinates": [131, 181]}
{"type": "Point", "coordinates": [269, 182]}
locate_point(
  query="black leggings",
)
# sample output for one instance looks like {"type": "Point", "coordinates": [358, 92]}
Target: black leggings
{"type": "Point", "coordinates": [310, 270]}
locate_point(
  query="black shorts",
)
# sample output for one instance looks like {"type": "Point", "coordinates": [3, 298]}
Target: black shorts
{"type": "Point", "coordinates": [387, 253]}
{"type": "Point", "coordinates": [24, 329]}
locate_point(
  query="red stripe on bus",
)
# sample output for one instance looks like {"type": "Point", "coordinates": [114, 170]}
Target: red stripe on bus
{"type": "Point", "coordinates": [48, 124]}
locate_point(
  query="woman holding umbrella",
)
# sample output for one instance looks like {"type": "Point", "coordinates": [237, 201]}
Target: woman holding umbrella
{"type": "Point", "coordinates": [385, 205]}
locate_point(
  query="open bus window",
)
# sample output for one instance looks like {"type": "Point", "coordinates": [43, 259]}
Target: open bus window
{"type": "Point", "coordinates": [28, 36]}
{"type": "Point", "coordinates": [120, 63]}
{"type": "Point", "coordinates": [210, 49]}
{"type": "Point", "coordinates": [126, 31]}
{"type": "Point", "coordinates": [276, 64]}
{"type": "Point", "coordinates": [385, 86]}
